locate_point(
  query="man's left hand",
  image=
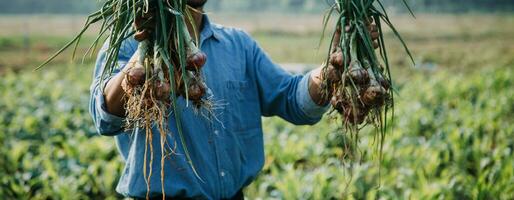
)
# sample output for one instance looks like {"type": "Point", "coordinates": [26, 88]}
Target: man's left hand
{"type": "Point", "coordinates": [336, 58]}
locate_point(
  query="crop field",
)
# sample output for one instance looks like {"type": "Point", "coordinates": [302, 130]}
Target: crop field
{"type": "Point", "coordinates": [452, 136]}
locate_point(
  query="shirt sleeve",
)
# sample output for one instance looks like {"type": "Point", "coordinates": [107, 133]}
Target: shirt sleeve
{"type": "Point", "coordinates": [304, 99]}
{"type": "Point", "coordinates": [281, 93]}
{"type": "Point", "coordinates": [105, 122]}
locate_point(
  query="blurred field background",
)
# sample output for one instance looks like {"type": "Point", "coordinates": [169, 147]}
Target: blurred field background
{"type": "Point", "coordinates": [452, 137]}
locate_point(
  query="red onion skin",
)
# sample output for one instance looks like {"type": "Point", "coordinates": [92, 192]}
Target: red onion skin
{"type": "Point", "coordinates": [355, 115]}
{"type": "Point", "coordinates": [384, 83]}
{"type": "Point", "coordinates": [136, 76]}
{"type": "Point", "coordinates": [196, 61]}
{"type": "Point", "coordinates": [162, 90]}
{"type": "Point", "coordinates": [357, 74]}
{"type": "Point", "coordinates": [351, 114]}
{"type": "Point", "coordinates": [333, 75]}
{"type": "Point", "coordinates": [196, 91]}
{"type": "Point", "coordinates": [374, 95]}
{"type": "Point", "coordinates": [336, 59]}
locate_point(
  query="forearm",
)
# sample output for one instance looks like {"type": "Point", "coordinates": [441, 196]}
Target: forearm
{"type": "Point", "coordinates": [114, 93]}
{"type": "Point", "coordinates": [315, 89]}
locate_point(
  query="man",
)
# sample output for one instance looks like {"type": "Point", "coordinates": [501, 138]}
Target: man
{"type": "Point", "coordinates": [227, 153]}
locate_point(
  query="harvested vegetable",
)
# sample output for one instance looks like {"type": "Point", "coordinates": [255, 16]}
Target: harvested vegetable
{"type": "Point", "coordinates": [170, 58]}
{"type": "Point", "coordinates": [362, 93]}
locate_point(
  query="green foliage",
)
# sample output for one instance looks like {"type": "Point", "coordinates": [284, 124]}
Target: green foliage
{"type": "Point", "coordinates": [49, 148]}
{"type": "Point", "coordinates": [46, 6]}
{"type": "Point", "coordinates": [454, 6]}
{"type": "Point", "coordinates": [452, 139]}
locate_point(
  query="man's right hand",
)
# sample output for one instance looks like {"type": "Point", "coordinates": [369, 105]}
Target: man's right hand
{"type": "Point", "coordinates": [120, 85]}
{"type": "Point", "coordinates": [133, 75]}
{"type": "Point", "coordinates": [144, 26]}
{"type": "Point", "coordinates": [124, 84]}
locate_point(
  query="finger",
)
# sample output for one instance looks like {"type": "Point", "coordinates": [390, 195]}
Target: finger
{"type": "Point", "coordinates": [139, 22]}
{"type": "Point", "coordinates": [142, 35]}
{"type": "Point", "coordinates": [144, 23]}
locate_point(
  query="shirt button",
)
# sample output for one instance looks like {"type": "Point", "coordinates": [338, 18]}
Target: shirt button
{"type": "Point", "coordinates": [216, 132]}
{"type": "Point", "coordinates": [222, 173]}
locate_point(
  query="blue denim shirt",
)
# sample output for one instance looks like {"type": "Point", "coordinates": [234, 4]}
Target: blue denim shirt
{"type": "Point", "coordinates": [228, 152]}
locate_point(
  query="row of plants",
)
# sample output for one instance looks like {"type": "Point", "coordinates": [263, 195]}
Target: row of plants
{"type": "Point", "coordinates": [451, 139]}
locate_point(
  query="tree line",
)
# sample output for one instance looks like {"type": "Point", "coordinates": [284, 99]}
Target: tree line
{"type": "Point", "coordinates": [86, 6]}
{"type": "Point", "coordinates": [47, 6]}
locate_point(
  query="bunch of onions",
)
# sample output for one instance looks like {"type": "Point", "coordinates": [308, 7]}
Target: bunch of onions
{"type": "Point", "coordinates": [358, 80]}
{"type": "Point", "coordinates": [171, 59]}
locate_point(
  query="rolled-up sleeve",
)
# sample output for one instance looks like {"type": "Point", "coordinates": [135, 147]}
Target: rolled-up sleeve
{"type": "Point", "coordinates": [280, 92]}
{"type": "Point", "coordinates": [105, 122]}
{"type": "Point", "coordinates": [305, 101]}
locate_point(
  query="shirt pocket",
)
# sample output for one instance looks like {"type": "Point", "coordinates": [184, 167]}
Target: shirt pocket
{"type": "Point", "coordinates": [242, 111]}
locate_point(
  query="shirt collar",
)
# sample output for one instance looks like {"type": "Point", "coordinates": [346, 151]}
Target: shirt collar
{"type": "Point", "coordinates": [208, 30]}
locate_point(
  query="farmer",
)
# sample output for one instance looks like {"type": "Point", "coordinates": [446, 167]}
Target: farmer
{"type": "Point", "coordinates": [227, 152]}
